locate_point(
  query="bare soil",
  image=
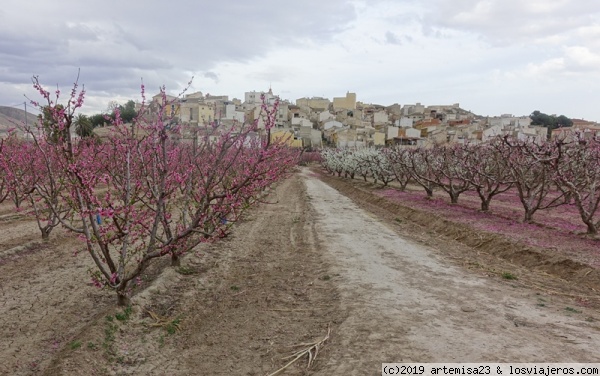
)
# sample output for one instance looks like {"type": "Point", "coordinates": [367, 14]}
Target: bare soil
{"type": "Point", "coordinates": [389, 285]}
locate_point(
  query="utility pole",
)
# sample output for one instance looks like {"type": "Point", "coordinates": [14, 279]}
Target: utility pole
{"type": "Point", "coordinates": [25, 103]}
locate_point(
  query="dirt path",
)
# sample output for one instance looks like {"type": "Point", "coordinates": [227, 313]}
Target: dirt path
{"type": "Point", "coordinates": [407, 304]}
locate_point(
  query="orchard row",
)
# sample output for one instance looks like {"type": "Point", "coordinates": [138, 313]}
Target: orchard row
{"type": "Point", "coordinates": [139, 194]}
{"type": "Point", "coordinates": [542, 175]}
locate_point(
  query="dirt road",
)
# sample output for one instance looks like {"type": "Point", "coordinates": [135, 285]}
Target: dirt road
{"type": "Point", "coordinates": [309, 259]}
{"type": "Point", "coordinates": [405, 303]}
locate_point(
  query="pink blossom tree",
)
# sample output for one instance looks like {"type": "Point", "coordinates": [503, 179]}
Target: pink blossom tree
{"type": "Point", "coordinates": [489, 173]}
{"type": "Point", "coordinates": [17, 162]}
{"type": "Point", "coordinates": [578, 172]}
{"type": "Point", "coordinates": [443, 167]}
{"type": "Point", "coordinates": [448, 170]}
{"type": "Point", "coordinates": [420, 171]}
{"type": "Point", "coordinates": [144, 194]}
{"type": "Point", "coordinates": [4, 175]}
{"type": "Point", "coordinates": [399, 161]}
{"type": "Point", "coordinates": [31, 180]}
{"type": "Point", "coordinates": [531, 168]}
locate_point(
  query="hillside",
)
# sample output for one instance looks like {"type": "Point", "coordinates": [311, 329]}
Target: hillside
{"type": "Point", "coordinates": [11, 117]}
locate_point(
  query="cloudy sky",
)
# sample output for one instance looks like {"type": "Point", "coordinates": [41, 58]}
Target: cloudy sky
{"type": "Point", "coordinates": [491, 56]}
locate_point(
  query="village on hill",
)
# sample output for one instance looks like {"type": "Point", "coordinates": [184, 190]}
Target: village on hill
{"type": "Point", "coordinates": [342, 122]}
{"type": "Point", "coordinates": [346, 122]}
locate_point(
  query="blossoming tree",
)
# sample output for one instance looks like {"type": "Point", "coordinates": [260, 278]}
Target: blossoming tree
{"type": "Point", "coordinates": [143, 193]}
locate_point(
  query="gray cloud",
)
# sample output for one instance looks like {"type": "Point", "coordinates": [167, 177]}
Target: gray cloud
{"type": "Point", "coordinates": [391, 38]}
{"type": "Point", "coordinates": [114, 43]}
{"type": "Point", "coordinates": [502, 22]}
{"type": "Point", "coordinates": [212, 75]}
{"type": "Point", "coordinates": [459, 49]}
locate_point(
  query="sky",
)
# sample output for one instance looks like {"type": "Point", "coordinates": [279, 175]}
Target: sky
{"type": "Point", "coordinates": [492, 56]}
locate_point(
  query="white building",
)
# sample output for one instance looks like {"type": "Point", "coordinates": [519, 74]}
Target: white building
{"type": "Point", "coordinates": [325, 115]}
{"type": "Point", "coordinates": [332, 124]}
{"type": "Point", "coordinates": [231, 113]}
{"type": "Point", "coordinates": [405, 122]}
{"type": "Point", "coordinates": [301, 122]}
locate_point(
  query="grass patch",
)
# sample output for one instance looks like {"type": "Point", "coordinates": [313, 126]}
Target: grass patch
{"type": "Point", "coordinates": [109, 337]}
{"type": "Point", "coordinates": [75, 345]}
{"type": "Point", "coordinates": [234, 288]}
{"type": "Point", "coordinates": [509, 276]}
{"type": "Point", "coordinates": [185, 270]}
{"type": "Point", "coordinates": [124, 316]}
{"type": "Point", "coordinates": [173, 326]}
{"type": "Point", "coordinates": [572, 310]}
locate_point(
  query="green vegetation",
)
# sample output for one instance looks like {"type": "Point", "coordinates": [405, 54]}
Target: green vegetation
{"type": "Point", "coordinates": [571, 309]}
{"type": "Point", "coordinates": [109, 336]}
{"type": "Point", "coordinates": [83, 126]}
{"type": "Point", "coordinates": [185, 270]}
{"type": "Point", "coordinates": [550, 121]}
{"type": "Point", "coordinates": [50, 123]}
{"type": "Point", "coordinates": [75, 345]}
{"type": "Point", "coordinates": [97, 120]}
{"type": "Point", "coordinates": [124, 316]}
{"type": "Point", "coordinates": [508, 275]}
{"type": "Point", "coordinates": [173, 326]}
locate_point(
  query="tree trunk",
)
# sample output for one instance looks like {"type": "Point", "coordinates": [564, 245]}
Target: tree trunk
{"type": "Point", "coordinates": [528, 216]}
{"type": "Point", "coordinates": [122, 298]}
{"type": "Point", "coordinates": [175, 260]}
{"type": "Point", "coordinates": [46, 233]}
{"type": "Point", "coordinates": [591, 228]}
{"type": "Point", "coordinates": [485, 200]}
{"type": "Point", "coordinates": [453, 197]}
{"type": "Point", "coordinates": [485, 205]}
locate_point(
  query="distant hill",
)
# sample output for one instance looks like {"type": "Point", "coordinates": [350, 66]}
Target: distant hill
{"type": "Point", "coordinates": [10, 117]}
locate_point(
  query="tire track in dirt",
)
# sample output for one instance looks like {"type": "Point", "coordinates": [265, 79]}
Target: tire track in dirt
{"type": "Point", "coordinates": [405, 303]}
